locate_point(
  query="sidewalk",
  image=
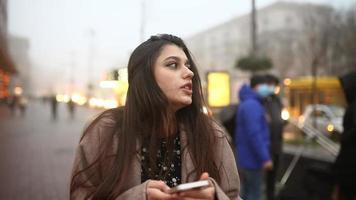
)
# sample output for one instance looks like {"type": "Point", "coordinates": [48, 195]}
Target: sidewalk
{"type": "Point", "coordinates": [36, 152]}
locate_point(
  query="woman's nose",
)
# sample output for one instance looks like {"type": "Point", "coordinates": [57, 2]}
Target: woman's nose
{"type": "Point", "coordinates": [188, 73]}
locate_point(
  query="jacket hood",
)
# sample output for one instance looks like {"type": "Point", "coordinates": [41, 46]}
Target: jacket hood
{"type": "Point", "coordinates": [348, 83]}
{"type": "Point", "coordinates": [246, 92]}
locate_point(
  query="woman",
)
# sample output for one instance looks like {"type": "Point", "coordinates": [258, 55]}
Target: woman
{"type": "Point", "coordinates": [159, 139]}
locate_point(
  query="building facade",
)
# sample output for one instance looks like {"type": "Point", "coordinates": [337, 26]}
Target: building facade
{"type": "Point", "coordinates": [19, 51]}
{"type": "Point", "coordinates": [288, 33]}
{"type": "Point", "coordinates": [7, 66]}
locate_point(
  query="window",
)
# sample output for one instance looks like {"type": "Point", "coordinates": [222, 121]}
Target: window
{"type": "Point", "coordinates": [319, 114]}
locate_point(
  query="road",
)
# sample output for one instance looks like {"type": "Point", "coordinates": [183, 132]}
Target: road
{"type": "Point", "coordinates": [36, 152]}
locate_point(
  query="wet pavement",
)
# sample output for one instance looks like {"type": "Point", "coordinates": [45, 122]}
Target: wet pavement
{"type": "Point", "coordinates": [36, 155]}
{"type": "Point", "coordinates": [36, 152]}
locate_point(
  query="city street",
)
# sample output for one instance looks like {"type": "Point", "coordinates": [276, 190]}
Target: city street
{"type": "Point", "coordinates": [36, 155]}
{"type": "Point", "coordinates": [36, 152]}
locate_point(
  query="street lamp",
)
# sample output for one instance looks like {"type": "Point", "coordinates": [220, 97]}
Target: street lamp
{"type": "Point", "coordinates": [143, 20]}
{"type": "Point", "coordinates": [253, 29]}
{"type": "Point", "coordinates": [91, 49]}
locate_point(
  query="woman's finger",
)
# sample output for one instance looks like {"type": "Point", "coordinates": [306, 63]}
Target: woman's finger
{"type": "Point", "coordinates": [154, 193]}
{"type": "Point", "coordinates": [203, 193]}
{"type": "Point", "coordinates": [158, 185]}
{"type": "Point", "coordinates": [158, 190]}
{"type": "Point", "coordinates": [204, 176]}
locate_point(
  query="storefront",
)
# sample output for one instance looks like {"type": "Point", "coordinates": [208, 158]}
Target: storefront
{"type": "Point", "coordinates": [7, 69]}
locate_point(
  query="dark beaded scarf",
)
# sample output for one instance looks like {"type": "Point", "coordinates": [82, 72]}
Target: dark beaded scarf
{"type": "Point", "coordinates": [170, 174]}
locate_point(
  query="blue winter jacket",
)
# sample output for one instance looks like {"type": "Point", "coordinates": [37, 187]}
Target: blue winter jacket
{"type": "Point", "coordinates": [251, 133]}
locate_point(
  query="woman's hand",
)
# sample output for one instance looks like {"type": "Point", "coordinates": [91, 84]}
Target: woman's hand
{"type": "Point", "coordinates": [207, 193]}
{"type": "Point", "coordinates": [158, 190]}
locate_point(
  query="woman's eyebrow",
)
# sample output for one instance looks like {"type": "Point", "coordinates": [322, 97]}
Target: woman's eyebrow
{"type": "Point", "coordinates": [176, 58]}
{"type": "Point", "coordinates": [172, 57]}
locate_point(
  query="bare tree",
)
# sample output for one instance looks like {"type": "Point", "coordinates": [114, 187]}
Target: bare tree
{"type": "Point", "coordinates": [316, 41]}
{"type": "Point", "coordinates": [329, 47]}
{"type": "Point", "coordinates": [344, 41]}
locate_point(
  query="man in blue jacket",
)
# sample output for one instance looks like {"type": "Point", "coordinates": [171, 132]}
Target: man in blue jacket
{"type": "Point", "coordinates": [252, 137]}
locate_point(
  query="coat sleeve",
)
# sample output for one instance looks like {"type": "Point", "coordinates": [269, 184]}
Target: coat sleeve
{"type": "Point", "coordinates": [86, 172]}
{"type": "Point", "coordinates": [229, 186]}
{"type": "Point", "coordinates": [86, 176]}
{"type": "Point", "coordinates": [137, 192]}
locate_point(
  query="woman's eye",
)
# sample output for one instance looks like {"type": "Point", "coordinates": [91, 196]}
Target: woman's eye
{"type": "Point", "coordinates": [188, 65]}
{"type": "Point", "coordinates": [172, 65]}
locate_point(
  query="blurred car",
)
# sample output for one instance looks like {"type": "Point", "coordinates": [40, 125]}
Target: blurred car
{"type": "Point", "coordinates": [326, 118]}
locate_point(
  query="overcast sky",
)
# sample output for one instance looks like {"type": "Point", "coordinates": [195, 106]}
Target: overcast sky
{"type": "Point", "coordinates": [67, 35]}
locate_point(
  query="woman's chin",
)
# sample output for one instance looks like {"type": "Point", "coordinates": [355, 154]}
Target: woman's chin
{"type": "Point", "coordinates": [183, 104]}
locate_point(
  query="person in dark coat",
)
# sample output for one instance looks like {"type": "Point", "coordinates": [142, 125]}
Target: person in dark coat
{"type": "Point", "coordinates": [273, 106]}
{"type": "Point", "coordinates": [71, 108]}
{"type": "Point", "coordinates": [54, 104]}
{"type": "Point", "coordinates": [13, 103]}
{"type": "Point", "coordinates": [345, 165]}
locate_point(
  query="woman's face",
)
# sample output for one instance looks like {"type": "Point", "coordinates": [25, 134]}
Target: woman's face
{"type": "Point", "coordinates": [174, 77]}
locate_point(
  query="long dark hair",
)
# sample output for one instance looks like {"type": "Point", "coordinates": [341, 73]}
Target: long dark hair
{"type": "Point", "coordinates": [146, 117]}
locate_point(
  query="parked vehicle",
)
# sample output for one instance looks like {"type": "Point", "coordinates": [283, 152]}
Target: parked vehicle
{"type": "Point", "coordinates": [325, 118]}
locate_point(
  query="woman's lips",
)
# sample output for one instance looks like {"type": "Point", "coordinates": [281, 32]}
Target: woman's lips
{"type": "Point", "coordinates": [187, 88]}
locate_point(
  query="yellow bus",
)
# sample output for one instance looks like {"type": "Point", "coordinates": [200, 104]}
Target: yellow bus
{"type": "Point", "coordinates": [299, 93]}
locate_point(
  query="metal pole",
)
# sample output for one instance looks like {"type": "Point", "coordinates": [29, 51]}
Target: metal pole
{"type": "Point", "coordinates": [253, 29]}
{"type": "Point", "coordinates": [71, 79]}
{"type": "Point", "coordinates": [143, 21]}
{"type": "Point", "coordinates": [314, 91]}
{"type": "Point", "coordinates": [90, 62]}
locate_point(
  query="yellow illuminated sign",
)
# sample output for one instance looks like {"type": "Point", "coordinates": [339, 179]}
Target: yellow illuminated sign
{"type": "Point", "coordinates": [218, 89]}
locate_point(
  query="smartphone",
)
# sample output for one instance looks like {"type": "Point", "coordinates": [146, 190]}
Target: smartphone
{"type": "Point", "coordinates": [189, 186]}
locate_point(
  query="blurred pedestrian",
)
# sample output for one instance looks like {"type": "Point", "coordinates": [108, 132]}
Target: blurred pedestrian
{"type": "Point", "coordinates": [13, 102]}
{"type": "Point", "coordinates": [71, 108]}
{"type": "Point", "coordinates": [252, 137]}
{"type": "Point", "coordinates": [161, 138]}
{"type": "Point", "coordinates": [345, 164]}
{"type": "Point", "coordinates": [54, 104]}
{"type": "Point", "coordinates": [23, 105]}
{"type": "Point", "coordinates": [227, 116]}
{"type": "Point", "coordinates": [273, 106]}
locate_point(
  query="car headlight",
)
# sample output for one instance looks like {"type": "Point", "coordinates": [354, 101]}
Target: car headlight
{"type": "Point", "coordinates": [285, 114]}
{"type": "Point", "coordinates": [330, 128]}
